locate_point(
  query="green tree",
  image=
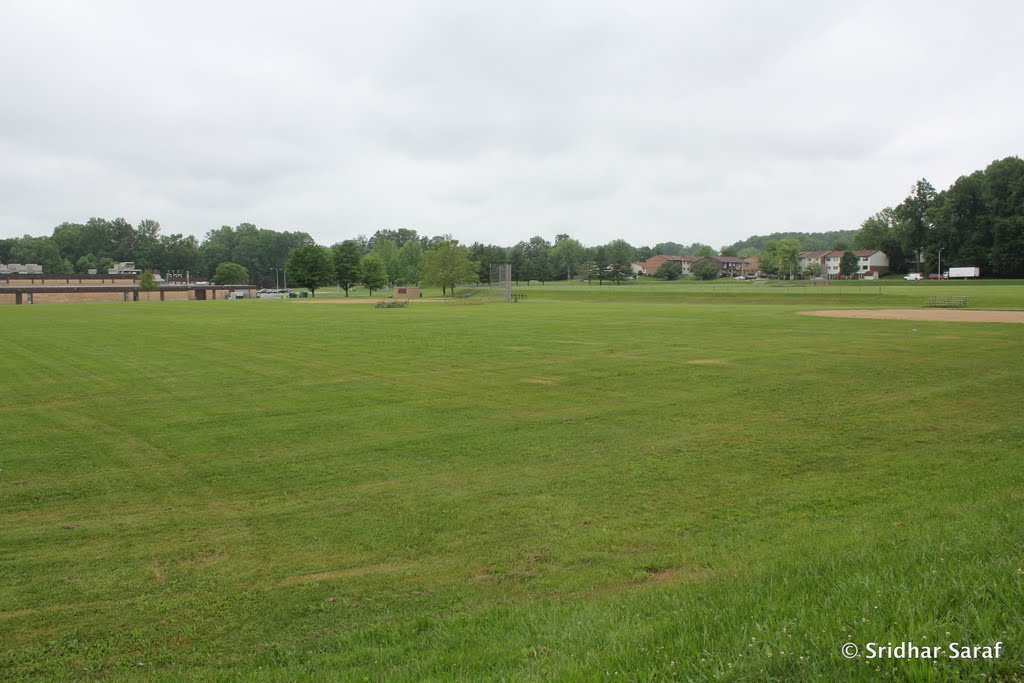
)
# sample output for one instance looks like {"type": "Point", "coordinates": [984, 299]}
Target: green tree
{"type": "Point", "coordinates": [310, 266]}
{"type": "Point", "coordinates": [669, 249]}
{"type": "Point", "coordinates": [400, 237]}
{"type": "Point", "coordinates": [848, 264]}
{"type": "Point", "coordinates": [374, 274]}
{"type": "Point", "coordinates": [86, 263]}
{"type": "Point", "coordinates": [781, 257]}
{"type": "Point", "coordinates": [913, 219]}
{"type": "Point", "coordinates": [148, 283]}
{"type": "Point", "coordinates": [669, 270]}
{"type": "Point", "coordinates": [447, 264]}
{"type": "Point", "coordinates": [620, 255]}
{"type": "Point", "coordinates": [41, 250]}
{"type": "Point", "coordinates": [879, 232]}
{"type": "Point", "coordinates": [228, 273]}
{"type": "Point", "coordinates": [346, 257]}
{"type": "Point", "coordinates": [486, 256]}
{"type": "Point", "coordinates": [769, 259]}
{"type": "Point", "coordinates": [1003, 226]}
{"type": "Point", "coordinates": [704, 269]}
{"type": "Point", "coordinates": [789, 256]}
{"type": "Point", "coordinates": [703, 250]}
{"type": "Point", "coordinates": [410, 263]}
{"type": "Point", "coordinates": [597, 267]}
{"type": "Point", "coordinates": [146, 251]}
{"type": "Point", "coordinates": [567, 255]}
{"type": "Point", "coordinates": [387, 251]}
{"type": "Point", "coordinates": [536, 253]}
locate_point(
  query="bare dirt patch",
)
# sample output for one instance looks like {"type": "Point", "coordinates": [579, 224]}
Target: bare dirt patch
{"type": "Point", "coordinates": [359, 300]}
{"type": "Point", "coordinates": [683, 573]}
{"type": "Point", "coordinates": [931, 314]}
{"type": "Point", "coordinates": [339, 574]}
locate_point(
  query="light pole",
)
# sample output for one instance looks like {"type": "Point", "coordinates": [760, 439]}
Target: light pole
{"type": "Point", "coordinates": [277, 278]}
{"type": "Point", "coordinates": [940, 262]}
{"type": "Point", "coordinates": [285, 271]}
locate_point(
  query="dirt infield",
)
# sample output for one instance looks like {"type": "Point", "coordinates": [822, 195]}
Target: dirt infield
{"type": "Point", "coordinates": [935, 314]}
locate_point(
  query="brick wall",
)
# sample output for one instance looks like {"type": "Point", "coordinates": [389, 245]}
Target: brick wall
{"type": "Point", "coordinates": [74, 297]}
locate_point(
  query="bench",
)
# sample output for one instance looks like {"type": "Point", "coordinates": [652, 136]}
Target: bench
{"type": "Point", "coordinates": [946, 302]}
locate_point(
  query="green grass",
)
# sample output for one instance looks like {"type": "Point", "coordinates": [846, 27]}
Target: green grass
{"type": "Point", "coordinates": [886, 293]}
{"type": "Point", "coordinates": [601, 482]}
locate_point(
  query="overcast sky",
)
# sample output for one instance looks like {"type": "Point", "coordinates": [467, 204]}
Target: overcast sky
{"type": "Point", "coordinates": [652, 121]}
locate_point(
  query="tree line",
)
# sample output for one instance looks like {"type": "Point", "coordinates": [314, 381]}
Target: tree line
{"type": "Point", "coordinates": [261, 254]}
{"type": "Point", "coordinates": [978, 221]}
{"type": "Point", "coordinates": [99, 243]}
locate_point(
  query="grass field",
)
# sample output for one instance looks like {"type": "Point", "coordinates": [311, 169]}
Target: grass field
{"type": "Point", "coordinates": [889, 293]}
{"type": "Point", "coordinates": [598, 483]}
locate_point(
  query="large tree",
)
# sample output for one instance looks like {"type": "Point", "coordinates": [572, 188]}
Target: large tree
{"type": "Point", "coordinates": [387, 251]}
{"type": "Point", "coordinates": [410, 263]}
{"type": "Point", "coordinates": [780, 257]}
{"type": "Point", "coordinates": [567, 255]}
{"type": "Point", "coordinates": [346, 257]}
{"type": "Point", "coordinates": [879, 232]}
{"type": "Point", "coordinates": [310, 266]}
{"type": "Point", "coordinates": [848, 264]}
{"type": "Point", "coordinates": [669, 270]}
{"type": "Point", "coordinates": [620, 255]}
{"type": "Point", "coordinates": [374, 273]}
{"type": "Point", "coordinates": [704, 269]}
{"type": "Point", "coordinates": [914, 219]}
{"type": "Point", "coordinates": [228, 273]}
{"type": "Point", "coordinates": [400, 237]}
{"type": "Point", "coordinates": [447, 264]}
{"type": "Point", "coordinates": [536, 254]}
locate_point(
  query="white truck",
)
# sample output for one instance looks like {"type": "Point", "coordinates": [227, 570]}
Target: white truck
{"type": "Point", "coordinates": [964, 272]}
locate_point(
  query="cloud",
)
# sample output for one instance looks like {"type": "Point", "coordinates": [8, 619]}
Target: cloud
{"type": "Point", "coordinates": [652, 121]}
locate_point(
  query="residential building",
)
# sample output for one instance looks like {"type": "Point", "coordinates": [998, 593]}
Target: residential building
{"type": "Point", "coordinates": [650, 265]}
{"type": "Point", "coordinates": [733, 266]}
{"type": "Point", "coordinates": [869, 261]}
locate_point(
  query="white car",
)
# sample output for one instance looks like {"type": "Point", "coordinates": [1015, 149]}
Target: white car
{"type": "Point", "coordinates": [913, 276]}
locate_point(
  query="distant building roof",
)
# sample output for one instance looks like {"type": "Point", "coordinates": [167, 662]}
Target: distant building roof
{"type": "Point", "coordinates": [124, 268]}
{"type": "Point", "coordinates": [21, 268]}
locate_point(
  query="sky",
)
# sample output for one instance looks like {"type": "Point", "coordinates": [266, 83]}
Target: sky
{"type": "Point", "coordinates": [496, 121]}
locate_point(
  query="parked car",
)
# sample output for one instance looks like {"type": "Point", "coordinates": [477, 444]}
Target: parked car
{"type": "Point", "coordinates": [913, 276]}
{"type": "Point", "coordinates": [936, 276]}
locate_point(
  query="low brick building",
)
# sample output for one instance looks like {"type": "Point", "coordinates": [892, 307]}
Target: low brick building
{"type": "Point", "coordinates": [20, 289]}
